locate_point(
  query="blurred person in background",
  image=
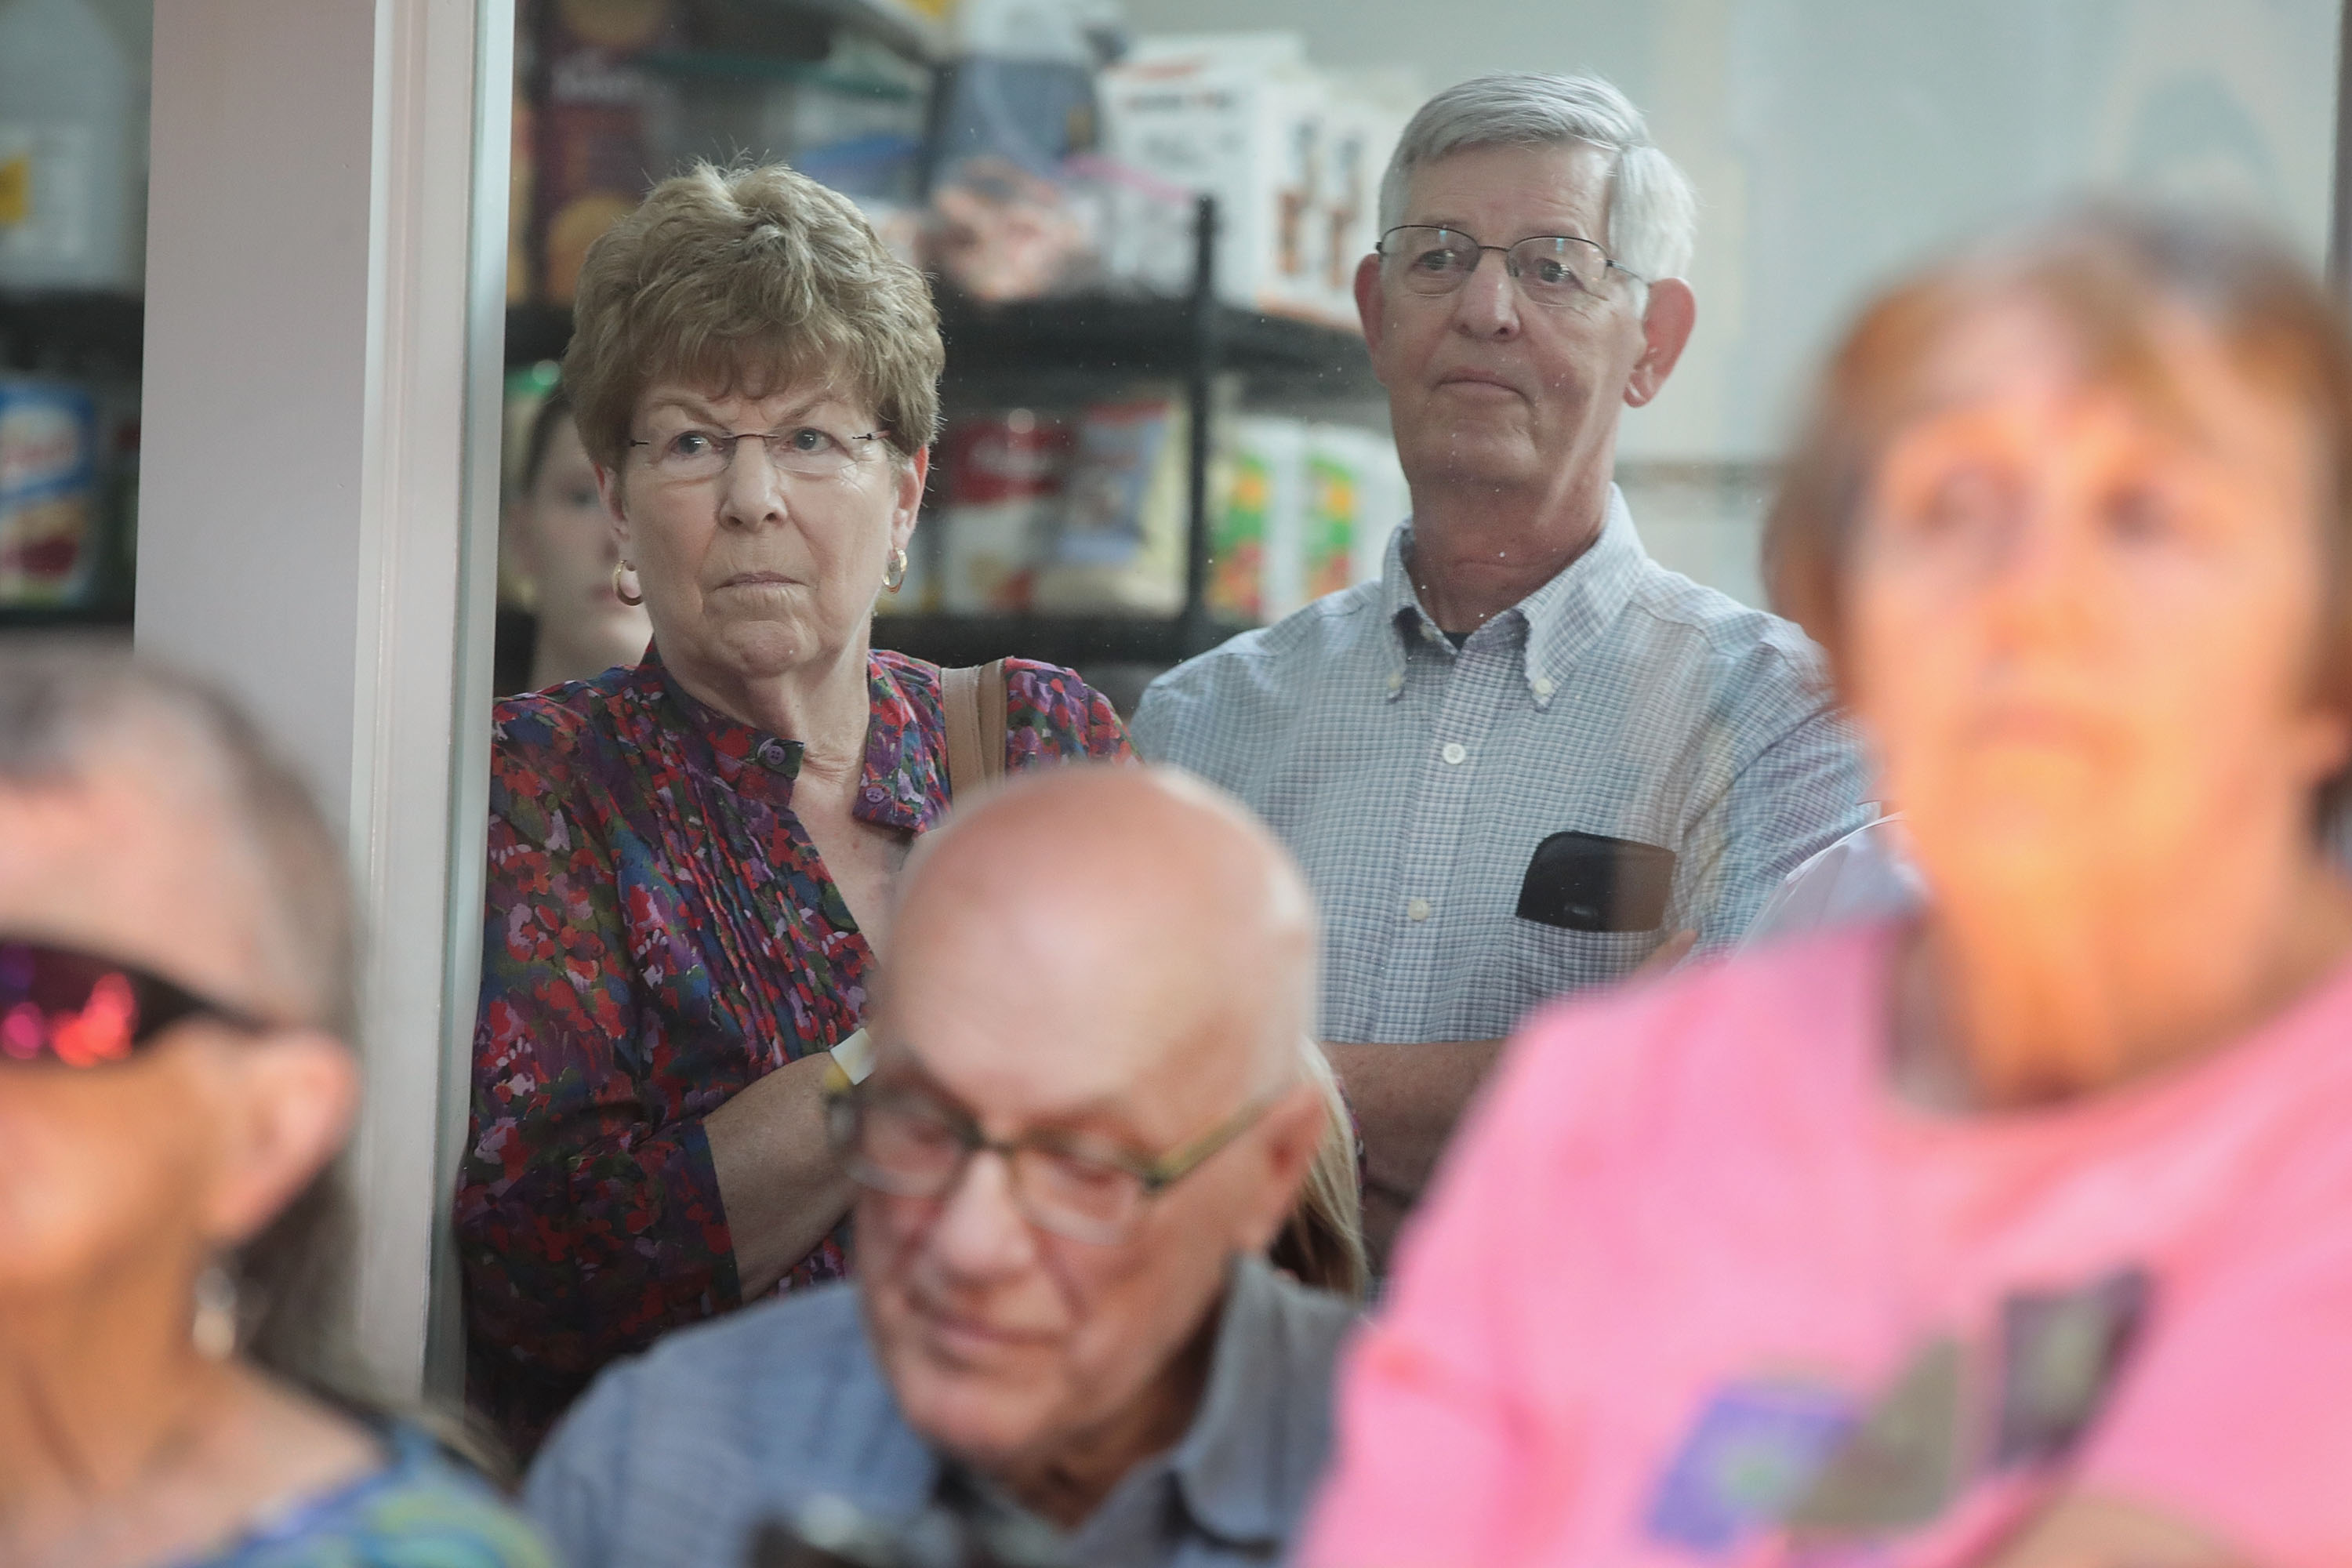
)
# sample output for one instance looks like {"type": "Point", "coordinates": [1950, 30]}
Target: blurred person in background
{"type": "Point", "coordinates": [175, 1083]}
{"type": "Point", "coordinates": [2011, 1233]}
{"type": "Point", "coordinates": [1088, 1119]}
{"type": "Point", "coordinates": [587, 613]}
{"type": "Point", "coordinates": [1528, 756]}
{"type": "Point", "coordinates": [691, 858]}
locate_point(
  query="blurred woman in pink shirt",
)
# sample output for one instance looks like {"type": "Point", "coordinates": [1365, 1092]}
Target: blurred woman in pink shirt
{"type": "Point", "coordinates": [2020, 1233]}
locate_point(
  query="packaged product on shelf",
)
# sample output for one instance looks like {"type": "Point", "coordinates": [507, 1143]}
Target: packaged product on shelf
{"type": "Point", "coordinates": [1241, 117]}
{"type": "Point", "coordinates": [1138, 227]}
{"type": "Point", "coordinates": [847, 111]}
{"type": "Point", "coordinates": [1335, 482]}
{"type": "Point", "coordinates": [72, 154]}
{"type": "Point", "coordinates": [1367, 113]}
{"type": "Point", "coordinates": [1021, 89]}
{"type": "Point", "coordinates": [1258, 520]}
{"type": "Point", "coordinates": [50, 533]}
{"type": "Point", "coordinates": [1000, 232]}
{"type": "Point", "coordinates": [1016, 102]}
{"type": "Point", "coordinates": [1217, 114]}
{"type": "Point", "coordinates": [1004, 486]}
{"type": "Point", "coordinates": [1120, 548]}
{"type": "Point", "coordinates": [592, 166]}
{"type": "Point", "coordinates": [1356, 499]}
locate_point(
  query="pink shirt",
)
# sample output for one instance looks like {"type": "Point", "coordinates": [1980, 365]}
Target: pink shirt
{"type": "Point", "coordinates": [1693, 1272]}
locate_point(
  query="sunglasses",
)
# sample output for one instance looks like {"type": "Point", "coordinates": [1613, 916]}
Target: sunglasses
{"type": "Point", "coordinates": [83, 1011]}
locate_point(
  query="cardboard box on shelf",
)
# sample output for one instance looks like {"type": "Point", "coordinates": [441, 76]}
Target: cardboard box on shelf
{"type": "Point", "coordinates": [1366, 115]}
{"type": "Point", "coordinates": [1294, 156]}
{"type": "Point", "coordinates": [1300, 511]}
{"type": "Point", "coordinates": [1334, 498]}
{"type": "Point", "coordinates": [1120, 546]}
{"type": "Point", "coordinates": [1257, 518]}
{"type": "Point", "coordinates": [1240, 117]}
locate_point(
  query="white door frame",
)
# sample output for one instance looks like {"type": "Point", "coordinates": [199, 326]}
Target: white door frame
{"type": "Point", "coordinates": [317, 519]}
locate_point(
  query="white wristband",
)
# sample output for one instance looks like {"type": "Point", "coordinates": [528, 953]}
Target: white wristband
{"type": "Point", "coordinates": [854, 1056]}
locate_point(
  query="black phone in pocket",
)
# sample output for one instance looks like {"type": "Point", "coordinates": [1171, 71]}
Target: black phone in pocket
{"type": "Point", "coordinates": [1587, 882]}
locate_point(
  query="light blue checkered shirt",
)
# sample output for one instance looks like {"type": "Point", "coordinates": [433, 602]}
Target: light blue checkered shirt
{"type": "Point", "coordinates": [1414, 782]}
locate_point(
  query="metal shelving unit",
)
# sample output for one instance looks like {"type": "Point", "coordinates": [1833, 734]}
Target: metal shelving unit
{"type": "Point", "coordinates": [76, 324]}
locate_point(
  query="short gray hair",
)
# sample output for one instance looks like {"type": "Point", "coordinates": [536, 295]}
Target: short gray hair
{"type": "Point", "coordinates": [1652, 212]}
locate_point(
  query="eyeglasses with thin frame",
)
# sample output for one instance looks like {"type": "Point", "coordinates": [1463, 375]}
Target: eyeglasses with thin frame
{"type": "Point", "coordinates": [1557, 270]}
{"type": "Point", "coordinates": [911, 1144]}
{"type": "Point", "coordinates": [697, 454]}
{"type": "Point", "coordinates": [80, 1010]}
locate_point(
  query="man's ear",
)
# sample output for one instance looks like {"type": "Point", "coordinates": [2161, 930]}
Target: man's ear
{"type": "Point", "coordinates": [609, 492]}
{"type": "Point", "coordinates": [1288, 1138]}
{"type": "Point", "coordinates": [1368, 306]}
{"type": "Point", "coordinates": [1666, 330]}
{"type": "Point", "coordinates": [293, 1095]}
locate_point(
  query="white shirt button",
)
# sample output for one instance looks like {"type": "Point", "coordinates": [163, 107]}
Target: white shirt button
{"type": "Point", "coordinates": [1416, 909]}
{"type": "Point", "coordinates": [1453, 753]}
{"type": "Point", "coordinates": [1543, 687]}
{"type": "Point", "coordinates": [1396, 681]}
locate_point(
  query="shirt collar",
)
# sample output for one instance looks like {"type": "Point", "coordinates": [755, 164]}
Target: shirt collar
{"type": "Point", "coordinates": [734, 747]}
{"type": "Point", "coordinates": [1231, 1472]}
{"type": "Point", "coordinates": [904, 785]}
{"type": "Point", "coordinates": [1230, 1468]}
{"type": "Point", "coordinates": [1552, 625]}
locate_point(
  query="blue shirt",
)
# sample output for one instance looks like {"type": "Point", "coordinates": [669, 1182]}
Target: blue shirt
{"type": "Point", "coordinates": [1414, 781]}
{"type": "Point", "coordinates": [420, 1511]}
{"type": "Point", "coordinates": [675, 1458]}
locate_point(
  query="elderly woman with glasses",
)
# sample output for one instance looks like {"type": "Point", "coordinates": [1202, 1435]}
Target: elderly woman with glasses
{"type": "Point", "coordinates": [2010, 1232]}
{"type": "Point", "coordinates": [691, 859]}
{"type": "Point", "coordinates": [175, 997]}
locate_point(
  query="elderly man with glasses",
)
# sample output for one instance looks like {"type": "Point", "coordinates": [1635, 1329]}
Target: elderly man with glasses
{"type": "Point", "coordinates": [1088, 1115]}
{"type": "Point", "coordinates": [1528, 759]}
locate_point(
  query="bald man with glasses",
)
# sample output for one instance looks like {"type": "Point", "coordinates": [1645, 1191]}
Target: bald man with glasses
{"type": "Point", "coordinates": [1087, 1120]}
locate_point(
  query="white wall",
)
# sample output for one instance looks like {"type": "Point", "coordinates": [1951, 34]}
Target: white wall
{"type": "Point", "coordinates": [1832, 141]}
{"type": "Point", "coordinates": [319, 478]}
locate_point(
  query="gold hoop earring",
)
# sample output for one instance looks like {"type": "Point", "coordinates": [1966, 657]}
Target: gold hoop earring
{"type": "Point", "coordinates": [621, 591]}
{"type": "Point", "coordinates": [895, 576]}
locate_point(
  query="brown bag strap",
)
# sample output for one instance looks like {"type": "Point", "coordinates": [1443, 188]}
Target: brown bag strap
{"type": "Point", "coordinates": [972, 699]}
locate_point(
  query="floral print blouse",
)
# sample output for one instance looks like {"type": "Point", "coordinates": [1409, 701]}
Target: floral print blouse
{"type": "Point", "coordinates": [659, 933]}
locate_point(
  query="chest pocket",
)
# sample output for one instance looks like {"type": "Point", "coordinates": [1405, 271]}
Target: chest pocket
{"type": "Point", "coordinates": [1590, 882]}
{"type": "Point", "coordinates": [1546, 962]}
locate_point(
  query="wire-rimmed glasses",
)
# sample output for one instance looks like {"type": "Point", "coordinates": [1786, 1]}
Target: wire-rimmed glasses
{"type": "Point", "coordinates": [696, 455]}
{"type": "Point", "coordinates": [905, 1141]}
{"type": "Point", "coordinates": [1549, 268]}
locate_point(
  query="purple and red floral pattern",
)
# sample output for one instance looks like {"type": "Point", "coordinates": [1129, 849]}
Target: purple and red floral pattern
{"type": "Point", "coordinates": [659, 933]}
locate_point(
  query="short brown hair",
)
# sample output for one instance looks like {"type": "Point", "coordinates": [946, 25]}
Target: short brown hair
{"type": "Point", "coordinates": [745, 280]}
{"type": "Point", "coordinates": [2107, 273]}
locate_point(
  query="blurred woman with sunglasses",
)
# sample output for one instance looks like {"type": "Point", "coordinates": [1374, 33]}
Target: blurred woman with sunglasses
{"type": "Point", "coordinates": [2011, 1232]}
{"type": "Point", "coordinates": [176, 1000]}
